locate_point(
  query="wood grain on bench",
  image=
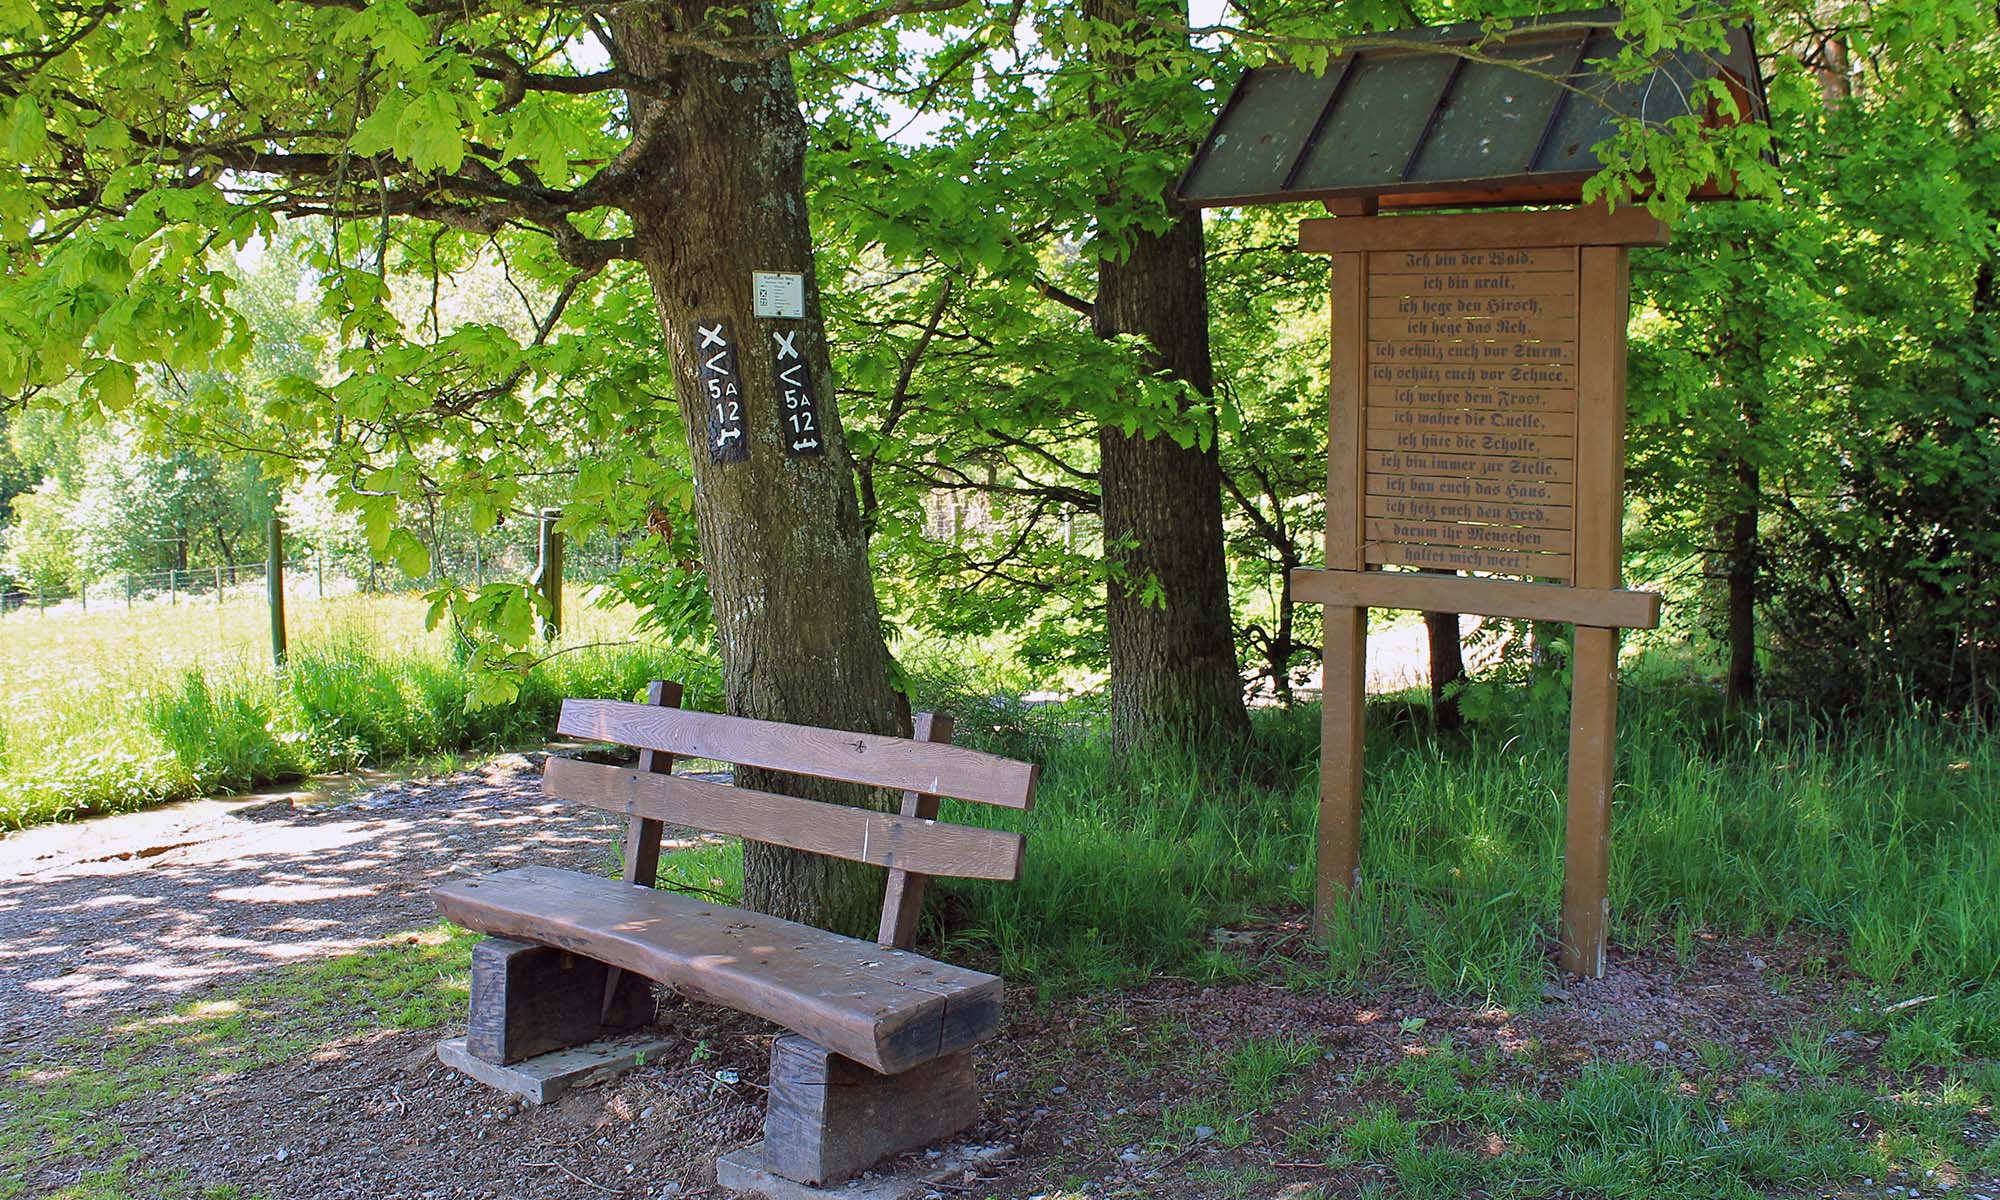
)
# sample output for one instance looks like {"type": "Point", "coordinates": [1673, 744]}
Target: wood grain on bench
{"type": "Point", "coordinates": [887, 1009]}
{"type": "Point", "coordinates": [858, 834]}
{"type": "Point", "coordinates": [933, 768]}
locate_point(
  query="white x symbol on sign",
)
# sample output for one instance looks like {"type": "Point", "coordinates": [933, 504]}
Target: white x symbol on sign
{"type": "Point", "coordinates": [711, 337]}
{"type": "Point", "coordinates": [787, 344]}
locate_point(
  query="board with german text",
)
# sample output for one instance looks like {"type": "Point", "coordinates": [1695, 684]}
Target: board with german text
{"type": "Point", "coordinates": [1471, 410]}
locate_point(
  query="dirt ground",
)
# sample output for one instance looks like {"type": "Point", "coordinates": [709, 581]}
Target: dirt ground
{"type": "Point", "coordinates": [120, 916]}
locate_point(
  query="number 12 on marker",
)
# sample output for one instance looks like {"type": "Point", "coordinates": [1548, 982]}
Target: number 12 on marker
{"type": "Point", "coordinates": [799, 413]}
{"type": "Point", "coordinates": [722, 388]}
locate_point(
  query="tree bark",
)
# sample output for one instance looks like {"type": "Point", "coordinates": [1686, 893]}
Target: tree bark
{"type": "Point", "coordinates": [1173, 655]}
{"type": "Point", "coordinates": [780, 534]}
{"type": "Point", "coordinates": [1447, 665]}
{"type": "Point", "coordinates": [1741, 570]}
{"type": "Point", "coordinates": [1739, 532]}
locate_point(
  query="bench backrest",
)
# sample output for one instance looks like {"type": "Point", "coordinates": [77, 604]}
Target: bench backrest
{"type": "Point", "coordinates": [910, 843]}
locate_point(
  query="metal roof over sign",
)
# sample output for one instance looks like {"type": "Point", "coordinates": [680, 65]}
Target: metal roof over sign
{"type": "Point", "coordinates": [1452, 115]}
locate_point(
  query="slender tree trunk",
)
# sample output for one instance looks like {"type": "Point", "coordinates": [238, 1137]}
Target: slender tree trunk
{"type": "Point", "coordinates": [1739, 527]}
{"type": "Point", "coordinates": [1173, 653]}
{"type": "Point", "coordinates": [227, 550]}
{"type": "Point", "coordinates": [780, 533]}
{"type": "Point", "coordinates": [1447, 665]}
{"type": "Point", "coordinates": [1741, 572]}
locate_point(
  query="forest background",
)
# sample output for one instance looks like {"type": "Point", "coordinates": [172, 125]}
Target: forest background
{"type": "Point", "coordinates": [1814, 439]}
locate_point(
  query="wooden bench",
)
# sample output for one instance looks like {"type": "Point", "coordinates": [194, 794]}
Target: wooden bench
{"type": "Point", "coordinates": [879, 1060]}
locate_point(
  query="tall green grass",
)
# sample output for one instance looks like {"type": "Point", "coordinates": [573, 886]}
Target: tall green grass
{"type": "Point", "coordinates": [176, 727]}
{"type": "Point", "coordinates": [1886, 836]}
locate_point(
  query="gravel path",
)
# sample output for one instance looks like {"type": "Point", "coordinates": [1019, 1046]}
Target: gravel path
{"type": "Point", "coordinates": [126, 913]}
{"type": "Point", "coordinates": [122, 915]}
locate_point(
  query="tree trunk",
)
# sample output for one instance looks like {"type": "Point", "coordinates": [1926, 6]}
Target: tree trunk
{"type": "Point", "coordinates": [227, 550]}
{"type": "Point", "coordinates": [1173, 656]}
{"type": "Point", "coordinates": [780, 533]}
{"type": "Point", "coordinates": [1741, 571]}
{"type": "Point", "coordinates": [1447, 665]}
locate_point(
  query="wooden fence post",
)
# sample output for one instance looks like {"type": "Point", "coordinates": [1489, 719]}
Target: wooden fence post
{"type": "Point", "coordinates": [274, 587]}
{"type": "Point", "coordinates": [549, 572]}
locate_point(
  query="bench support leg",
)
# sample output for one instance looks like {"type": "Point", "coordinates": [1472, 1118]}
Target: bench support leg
{"type": "Point", "coordinates": [831, 1118]}
{"type": "Point", "coordinates": [529, 999]}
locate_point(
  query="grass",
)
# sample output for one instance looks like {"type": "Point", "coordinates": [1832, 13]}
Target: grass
{"type": "Point", "coordinates": [1628, 1131]}
{"type": "Point", "coordinates": [1884, 838]}
{"type": "Point", "coordinates": [1873, 843]}
{"type": "Point", "coordinates": [112, 711]}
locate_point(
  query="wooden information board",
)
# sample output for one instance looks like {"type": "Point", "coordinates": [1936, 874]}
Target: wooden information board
{"type": "Point", "coordinates": [1477, 425]}
{"type": "Point", "coordinates": [1471, 409]}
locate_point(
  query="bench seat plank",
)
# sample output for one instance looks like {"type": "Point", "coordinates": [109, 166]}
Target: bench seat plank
{"type": "Point", "coordinates": [858, 834]}
{"type": "Point", "coordinates": [889, 1010]}
{"type": "Point", "coordinates": [933, 768]}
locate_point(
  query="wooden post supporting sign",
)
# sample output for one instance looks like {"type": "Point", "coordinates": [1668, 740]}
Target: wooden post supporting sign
{"type": "Point", "coordinates": [1477, 424]}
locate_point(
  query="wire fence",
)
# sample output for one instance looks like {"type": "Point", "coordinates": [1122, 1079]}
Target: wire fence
{"type": "Point", "coordinates": [550, 567]}
{"type": "Point", "coordinates": [308, 578]}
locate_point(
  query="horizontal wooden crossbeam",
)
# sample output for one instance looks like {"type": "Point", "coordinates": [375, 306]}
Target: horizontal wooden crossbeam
{"type": "Point", "coordinates": [857, 834]}
{"type": "Point", "coordinates": [929, 768]}
{"type": "Point", "coordinates": [1598, 608]}
{"type": "Point", "coordinates": [1484, 231]}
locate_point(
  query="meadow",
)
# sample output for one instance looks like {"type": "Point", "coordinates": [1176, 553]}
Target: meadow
{"type": "Point", "coordinates": [113, 710]}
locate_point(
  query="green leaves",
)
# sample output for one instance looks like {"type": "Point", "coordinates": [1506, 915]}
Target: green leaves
{"type": "Point", "coordinates": [25, 132]}
{"type": "Point", "coordinates": [111, 386]}
{"type": "Point", "coordinates": [427, 128]}
{"type": "Point", "coordinates": [411, 556]}
{"type": "Point", "coordinates": [545, 134]}
{"type": "Point", "coordinates": [389, 28]}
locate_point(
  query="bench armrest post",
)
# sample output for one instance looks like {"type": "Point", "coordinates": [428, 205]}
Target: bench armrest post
{"type": "Point", "coordinates": [903, 900]}
{"type": "Point", "coordinates": [642, 837]}
{"type": "Point", "coordinates": [642, 840]}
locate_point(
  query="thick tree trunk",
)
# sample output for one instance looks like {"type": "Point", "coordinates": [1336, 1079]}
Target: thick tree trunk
{"type": "Point", "coordinates": [1173, 656]}
{"type": "Point", "coordinates": [780, 532]}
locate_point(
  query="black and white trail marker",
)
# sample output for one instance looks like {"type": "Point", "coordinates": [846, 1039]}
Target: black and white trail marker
{"type": "Point", "coordinates": [722, 390]}
{"type": "Point", "coordinates": [798, 413]}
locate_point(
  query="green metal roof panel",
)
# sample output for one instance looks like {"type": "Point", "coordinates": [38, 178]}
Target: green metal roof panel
{"type": "Point", "coordinates": [1271, 114]}
{"type": "Point", "coordinates": [1493, 119]}
{"type": "Point", "coordinates": [1380, 115]}
{"type": "Point", "coordinates": [1454, 124]}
